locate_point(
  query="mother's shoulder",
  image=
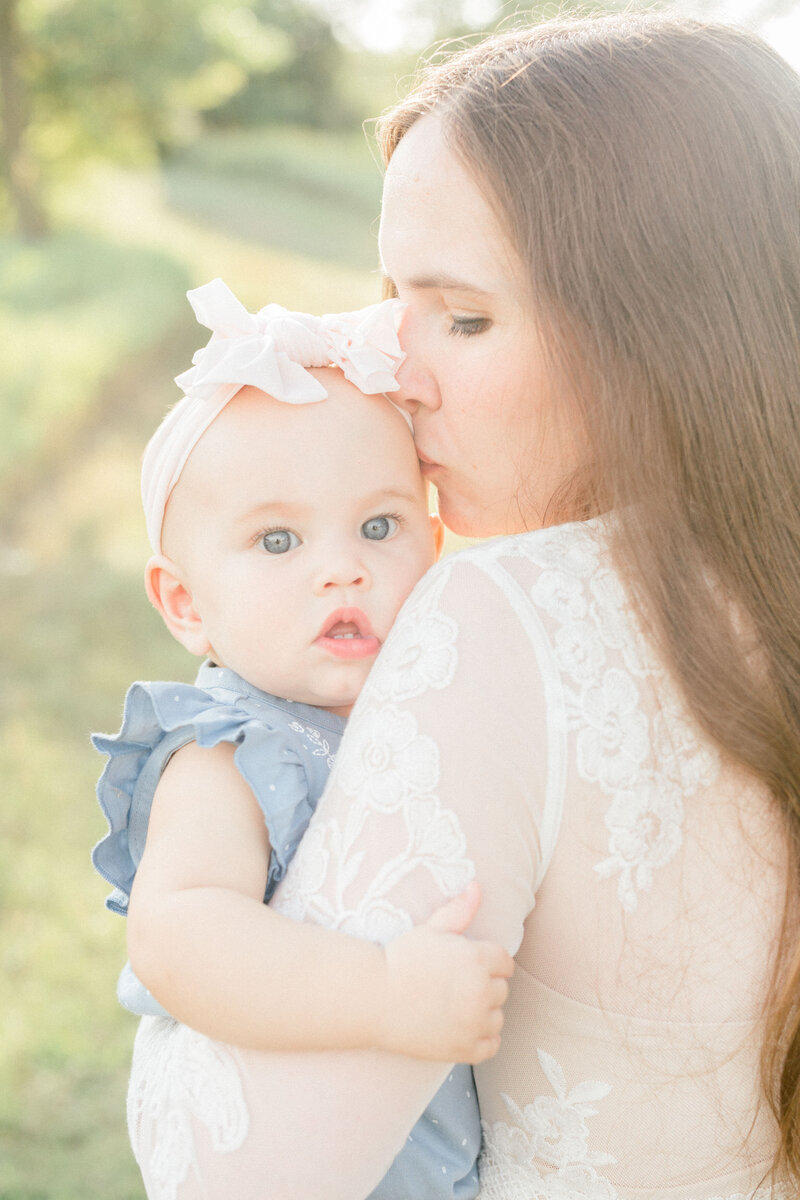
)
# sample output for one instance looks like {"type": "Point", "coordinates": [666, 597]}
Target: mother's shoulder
{"type": "Point", "coordinates": [576, 547]}
{"type": "Point", "coordinates": [558, 560]}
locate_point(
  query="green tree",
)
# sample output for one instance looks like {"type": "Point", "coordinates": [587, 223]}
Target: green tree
{"type": "Point", "coordinates": [16, 160]}
{"type": "Point", "coordinates": [128, 80]}
{"type": "Point", "coordinates": [303, 88]}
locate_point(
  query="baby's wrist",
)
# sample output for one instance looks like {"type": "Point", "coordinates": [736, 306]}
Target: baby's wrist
{"type": "Point", "coordinates": [403, 1015]}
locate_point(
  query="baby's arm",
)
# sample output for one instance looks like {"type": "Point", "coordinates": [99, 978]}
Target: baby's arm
{"type": "Point", "coordinates": [196, 915]}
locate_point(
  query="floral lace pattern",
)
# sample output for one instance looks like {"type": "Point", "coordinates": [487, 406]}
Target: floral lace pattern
{"type": "Point", "coordinates": [398, 780]}
{"type": "Point", "coordinates": [546, 1154]}
{"type": "Point", "coordinates": [179, 1076]}
{"type": "Point", "coordinates": [647, 767]}
{"type": "Point", "coordinates": [391, 770]}
{"type": "Point", "coordinates": [421, 652]}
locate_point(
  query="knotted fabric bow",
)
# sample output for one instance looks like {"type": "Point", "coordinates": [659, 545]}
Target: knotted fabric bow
{"type": "Point", "coordinates": [271, 350]}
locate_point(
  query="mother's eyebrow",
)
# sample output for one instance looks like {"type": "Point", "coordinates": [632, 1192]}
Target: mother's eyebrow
{"type": "Point", "coordinates": [444, 282]}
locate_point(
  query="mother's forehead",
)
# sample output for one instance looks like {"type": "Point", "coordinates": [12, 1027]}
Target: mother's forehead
{"type": "Point", "coordinates": [423, 158]}
{"type": "Point", "coordinates": [435, 218]}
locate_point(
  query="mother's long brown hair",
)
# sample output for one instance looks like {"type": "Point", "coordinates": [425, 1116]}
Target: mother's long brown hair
{"type": "Point", "coordinates": [647, 169]}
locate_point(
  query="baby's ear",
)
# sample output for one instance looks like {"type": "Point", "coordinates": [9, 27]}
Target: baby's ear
{"type": "Point", "coordinates": [168, 594]}
{"type": "Point", "coordinates": [438, 532]}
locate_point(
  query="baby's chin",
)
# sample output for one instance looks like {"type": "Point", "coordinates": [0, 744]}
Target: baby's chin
{"type": "Point", "coordinates": [337, 700]}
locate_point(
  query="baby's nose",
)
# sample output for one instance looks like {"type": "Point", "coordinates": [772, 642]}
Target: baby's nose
{"type": "Point", "coordinates": [345, 571]}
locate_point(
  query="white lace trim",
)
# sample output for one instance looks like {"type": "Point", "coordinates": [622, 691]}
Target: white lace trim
{"type": "Point", "coordinates": [179, 1077]}
{"type": "Point", "coordinates": [647, 767]}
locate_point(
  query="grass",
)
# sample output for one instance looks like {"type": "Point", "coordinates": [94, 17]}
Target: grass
{"type": "Point", "coordinates": [71, 309]}
{"type": "Point", "coordinates": [135, 210]}
{"type": "Point", "coordinates": [96, 325]}
{"type": "Point", "coordinates": [338, 167]}
{"type": "Point", "coordinates": [300, 190]}
{"type": "Point", "coordinates": [64, 1048]}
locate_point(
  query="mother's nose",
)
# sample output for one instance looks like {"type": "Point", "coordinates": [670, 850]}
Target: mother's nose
{"type": "Point", "coordinates": [417, 383]}
{"type": "Point", "coordinates": [417, 388]}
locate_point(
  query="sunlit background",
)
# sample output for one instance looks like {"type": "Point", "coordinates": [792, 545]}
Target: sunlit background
{"type": "Point", "coordinates": [145, 148]}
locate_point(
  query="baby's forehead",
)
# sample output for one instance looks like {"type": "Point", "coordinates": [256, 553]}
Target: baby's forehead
{"type": "Point", "coordinates": [255, 427]}
{"type": "Point", "coordinates": [345, 406]}
{"type": "Point", "coordinates": [341, 391]}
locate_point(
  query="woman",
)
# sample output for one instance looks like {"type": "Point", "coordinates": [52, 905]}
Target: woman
{"type": "Point", "coordinates": [595, 227]}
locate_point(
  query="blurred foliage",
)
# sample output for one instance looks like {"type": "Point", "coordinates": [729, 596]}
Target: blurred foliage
{"type": "Point", "coordinates": [336, 167]}
{"type": "Point", "coordinates": [72, 308]}
{"type": "Point", "coordinates": [133, 81]}
{"type": "Point", "coordinates": [309, 192]}
{"type": "Point", "coordinates": [127, 78]}
{"type": "Point", "coordinates": [137, 82]}
{"type": "Point", "coordinates": [416, 24]}
{"type": "Point", "coordinates": [299, 86]}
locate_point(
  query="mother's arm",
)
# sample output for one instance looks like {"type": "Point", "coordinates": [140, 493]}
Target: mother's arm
{"type": "Point", "coordinates": [443, 775]}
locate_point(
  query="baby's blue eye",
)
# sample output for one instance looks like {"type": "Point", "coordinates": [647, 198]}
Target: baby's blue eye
{"type": "Point", "coordinates": [377, 529]}
{"type": "Point", "coordinates": [278, 541]}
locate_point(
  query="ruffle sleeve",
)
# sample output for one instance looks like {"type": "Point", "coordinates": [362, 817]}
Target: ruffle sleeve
{"type": "Point", "coordinates": [158, 719]}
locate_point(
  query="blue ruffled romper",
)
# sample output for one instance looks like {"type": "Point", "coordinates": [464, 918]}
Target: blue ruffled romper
{"type": "Point", "coordinates": [284, 751]}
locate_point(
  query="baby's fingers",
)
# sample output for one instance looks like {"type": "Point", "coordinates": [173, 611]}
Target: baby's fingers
{"type": "Point", "coordinates": [487, 1043]}
{"type": "Point", "coordinates": [498, 993]}
{"type": "Point", "coordinates": [491, 1024]}
{"type": "Point", "coordinates": [495, 959]}
{"type": "Point", "coordinates": [485, 1048]}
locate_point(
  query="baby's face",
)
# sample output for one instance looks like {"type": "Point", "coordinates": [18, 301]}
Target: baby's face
{"type": "Point", "coordinates": [299, 531]}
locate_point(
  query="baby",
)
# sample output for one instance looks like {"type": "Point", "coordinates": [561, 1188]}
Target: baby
{"type": "Point", "coordinates": [289, 522]}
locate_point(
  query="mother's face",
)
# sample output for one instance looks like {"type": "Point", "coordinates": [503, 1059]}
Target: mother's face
{"type": "Point", "coordinates": [492, 434]}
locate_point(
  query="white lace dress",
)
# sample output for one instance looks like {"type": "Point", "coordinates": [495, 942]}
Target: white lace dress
{"type": "Point", "coordinates": [516, 728]}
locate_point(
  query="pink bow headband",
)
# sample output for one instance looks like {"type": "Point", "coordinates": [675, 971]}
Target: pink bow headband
{"type": "Point", "coordinates": [270, 350]}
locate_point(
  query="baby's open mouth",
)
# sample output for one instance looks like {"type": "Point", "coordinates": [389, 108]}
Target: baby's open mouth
{"type": "Point", "coordinates": [344, 629]}
{"type": "Point", "coordinates": [347, 633]}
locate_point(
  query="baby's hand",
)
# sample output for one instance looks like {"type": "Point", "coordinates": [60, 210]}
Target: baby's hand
{"type": "Point", "coordinates": [445, 993]}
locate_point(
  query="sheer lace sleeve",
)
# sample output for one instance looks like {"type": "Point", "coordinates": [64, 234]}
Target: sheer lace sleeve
{"type": "Point", "coordinates": [445, 770]}
{"type": "Point", "coordinates": [450, 768]}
